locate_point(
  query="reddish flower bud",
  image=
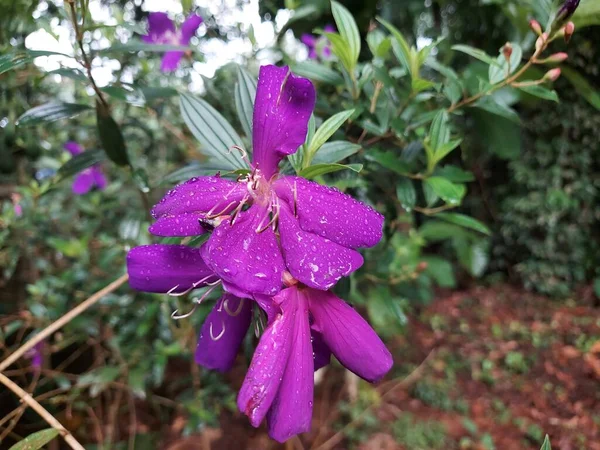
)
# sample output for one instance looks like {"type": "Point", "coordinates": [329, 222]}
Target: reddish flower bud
{"type": "Point", "coordinates": [569, 29]}
{"type": "Point", "coordinates": [507, 50]}
{"type": "Point", "coordinates": [535, 26]}
{"type": "Point", "coordinates": [552, 75]}
{"type": "Point", "coordinates": [557, 57]}
{"type": "Point", "coordinates": [541, 41]}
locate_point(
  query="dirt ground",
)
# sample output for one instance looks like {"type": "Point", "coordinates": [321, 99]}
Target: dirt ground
{"type": "Point", "coordinates": [488, 368]}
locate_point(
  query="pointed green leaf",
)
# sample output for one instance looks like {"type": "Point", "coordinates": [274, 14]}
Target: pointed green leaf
{"type": "Point", "coordinates": [17, 59]}
{"type": "Point", "coordinates": [245, 93]}
{"type": "Point", "coordinates": [213, 131]}
{"type": "Point", "coordinates": [389, 160]}
{"type": "Point", "coordinates": [546, 444]}
{"type": "Point", "coordinates": [400, 46]}
{"type": "Point", "coordinates": [326, 130]}
{"type": "Point", "coordinates": [439, 132]}
{"type": "Point", "coordinates": [110, 136]}
{"type": "Point", "coordinates": [492, 106]}
{"type": "Point", "coordinates": [582, 86]}
{"type": "Point", "coordinates": [464, 221]}
{"type": "Point", "coordinates": [441, 152]}
{"type": "Point", "coordinates": [336, 151]}
{"type": "Point", "coordinates": [318, 72]}
{"type": "Point", "coordinates": [447, 190]}
{"type": "Point", "coordinates": [475, 53]}
{"type": "Point", "coordinates": [406, 193]}
{"type": "Point", "coordinates": [541, 92]}
{"type": "Point", "coordinates": [321, 169]}
{"type": "Point", "coordinates": [50, 112]}
{"type": "Point", "coordinates": [348, 30]}
{"type": "Point", "coordinates": [36, 440]}
{"type": "Point", "coordinates": [81, 162]}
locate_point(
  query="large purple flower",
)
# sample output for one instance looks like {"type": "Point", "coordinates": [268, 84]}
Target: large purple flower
{"type": "Point", "coordinates": [318, 46]}
{"type": "Point", "coordinates": [305, 326]}
{"type": "Point", "coordinates": [87, 178]}
{"type": "Point", "coordinates": [290, 223]}
{"type": "Point", "coordinates": [161, 30]}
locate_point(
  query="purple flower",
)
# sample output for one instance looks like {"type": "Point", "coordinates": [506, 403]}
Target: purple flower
{"type": "Point", "coordinates": [17, 207]}
{"type": "Point", "coordinates": [567, 10]}
{"type": "Point", "coordinates": [318, 46]}
{"type": "Point", "coordinates": [36, 356]}
{"type": "Point", "coordinates": [87, 178]}
{"type": "Point", "coordinates": [304, 328]}
{"type": "Point", "coordinates": [161, 30]}
{"type": "Point", "coordinates": [290, 223]}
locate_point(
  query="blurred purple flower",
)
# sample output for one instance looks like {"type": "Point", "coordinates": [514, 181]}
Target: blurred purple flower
{"type": "Point", "coordinates": [87, 178]}
{"type": "Point", "coordinates": [17, 208]}
{"type": "Point", "coordinates": [318, 46]}
{"type": "Point", "coordinates": [36, 356]}
{"type": "Point", "coordinates": [318, 227]}
{"type": "Point", "coordinates": [161, 30]}
{"type": "Point", "coordinates": [567, 9]}
{"type": "Point", "coordinates": [305, 327]}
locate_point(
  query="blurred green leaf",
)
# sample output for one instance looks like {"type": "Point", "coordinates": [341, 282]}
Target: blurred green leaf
{"type": "Point", "coordinates": [336, 151]}
{"type": "Point", "coordinates": [441, 152]}
{"type": "Point", "coordinates": [139, 46]}
{"type": "Point", "coordinates": [110, 136]}
{"type": "Point", "coordinates": [582, 86]}
{"type": "Point", "coordinates": [546, 444]}
{"type": "Point", "coordinates": [400, 46]}
{"type": "Point", "coordinates": [541, 92]}
{"type": "Point", "coordinates": [189, 171]}
{"type": "Point", "coordinates": [81, 162]}
{"type": "Point", "coordinates": [389, 160]}
{"type": "Point", "coordinates": [17, 59]}
{"type": "Point", "coordinates": [213, 131]}
{"type": "Point", "coordinates": [125, 93]}
{"type": "Point", "coordinates": [74, 74]}
{"type": "Point", "coordinates": [447, 190]}
{"type": "Point", "coordinates": [245, 93]}
{"type": "Point", "coordinates": [587, 14]}
{"type": "Point", "coordinates": [318, 72]}
{"type": "Point", "coordinates": [321, 169]}
{"type": "Point", "coordinates": [36, 440]}
{"type": "Point", "coordinates": [475, 53]}
{"type": "Point", "coordinates": [439, 133]}
{"type": "Point", "coordinates": [455, 174]}
{"type": "Point", "coordinates": [492, 106]}
{"type": "Point", "coordinates": [406, 192]}
{"type": "Point", "coordinates": [50, 112]}
{"type": "Point", "coordinates": [464, 221]}
{"type": "Point", "coordinates": [440, 270]}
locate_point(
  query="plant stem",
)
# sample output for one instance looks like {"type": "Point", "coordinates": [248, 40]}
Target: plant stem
{"type": "Point", "coordinates": [44, 414]}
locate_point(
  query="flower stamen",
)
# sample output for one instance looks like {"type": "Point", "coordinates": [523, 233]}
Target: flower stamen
{"type": "Point", "coordinates": [220, 335]}
{"type": "Point", "coordinates": [243, 152]}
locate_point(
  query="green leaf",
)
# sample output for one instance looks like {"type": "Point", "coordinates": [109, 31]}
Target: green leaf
{"type": "Point", "coordinates": [125, 93]}
{"type": "Point", "coordinates": [473, 256]}
{"type": "Point", "coordinates": [326, 130]}
{"type": "Point", "coordinates": [81, 162]}
{"type": "Point", "coordinates": [74, 74]}
{"type": "Point", "coordinates": [348, 30]}
{"type": "Point", "coordinates": [189, 171]}
{"type": "Point", "coordinates": [464, 221]}
{"type": "Point", "coordinates": [497, 135]}
{"type": "Point", "coordinates": [582, 86]}
{"type": "Point", "coordinates": [447, 190]}
{"type": "Point", "coordinates": [340, 48]}
{"type": "Point", "coordinates": [455, 174]}
{"type": "Point", "coordinates": [441, 271]}
{"type": "Point", "coordinates": [50, 112]}
{"type": "Point", "coordinates": [490, 105]}
{"type": "Point", "coordinates": [400, 46]}
{"type": "Point", "coordinates": [406, 193]}
{"type": "Point", "coordinates": [587, 14]}
{"type": "Point", "coordinates": [546, 444]}
{"type": "Point", "coordinates": [378, 43]}
{"type": "Point", "coordinates": [321, 169]}
{"type": "Point", "coordinates": [17, 59]}
{"type": "Point", "coordinates": [110, 136]}
{"type": "Point", "coordinates": [151, 93]}
{"type": "Point", "coordinates": [541, 92]}
{"type": "Point", "coordinates": [36, 440]}
{"type": "Point", "coordinates": [336, 151]}
{"type": "Point", "coordinates": [139, 46]}
{"type": "Point", "coordinates": [475, 53]}
{"type": "Point", "coordinates": [443, 151]}
{"type": "Point", "coordinates": [389, 160]}
{"type": "Point", "coordinates": [245, 93]}
{"type": "Point", "coordinates": [499, 71]}
{"type": "Point", "coordinates": [439, 133]}
{"type": "Point", "coordinates": [215, 134]}
{"type": "Point", "coordinates": [318, 72]}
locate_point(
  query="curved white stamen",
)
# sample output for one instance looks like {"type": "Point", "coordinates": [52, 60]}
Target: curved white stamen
{"type": "Point", "coordinates": [220, 335]}
{"type": "Point", "coordinates": [177, 316]}
{"type": "Point", "coordinates": [211, 214]}
{"type": "Point", "coordinates": [230, 312]}
{"type": "Point", "coordinates": [243, 152]}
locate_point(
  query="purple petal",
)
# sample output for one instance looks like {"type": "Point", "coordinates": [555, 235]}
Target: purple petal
{"type": "Point", "coordinates": [170, 60]}
{"type": "Point", "coordinates": [350, 338]}
{"type": "Point", "coordinates": [312, 259]}
{"type": "Point", "coordinates": [309, 40]}
{"type": "Point", "coordinates": [312, 54]}
{"type": "Point", "coordinates": [180, 225]}
{"type": "Point", "coordinates": [99, 178]}
{"type": "Point", "coordinates": [159, 24]}
{"type": "Point", "coordinates": [189, 28]}
{"type": "Point", "coordinates": [322, 354]}
{"type": "Point", "coordinates": [83, 182]}
{"type": "Point", "coordinates": [167, 268]}
{"type": "Point", "coordinates": [284, 103]}
{"type": "Point", "coordinates": [326, 211]}
{"type": "Point", "coordinates": [73, 148]}
{"type": "Point", "coordinates": [291, 411]}
{"type": "Point", "coordinates": [327, 51]}
{"type": "Point", "coordinates": [201, 195]}
{"type": "Point", "coordinates": [242, 257]}
{"type": "Point", "coordinates": [329, 28]}
{"type": "Point", "coordinates": [268, 363]}
{"type": "Point", "coordinates": [223, 332]}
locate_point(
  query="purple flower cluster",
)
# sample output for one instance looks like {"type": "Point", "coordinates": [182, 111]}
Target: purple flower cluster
{"type": "Point", "coordinates": [278, 243]}
{"type": "Point", "coordinates": [318, 47]}
{"type": "Point", "coordinates": [87, 178]}
{"type": "Point", "coordinates": [161, 30]}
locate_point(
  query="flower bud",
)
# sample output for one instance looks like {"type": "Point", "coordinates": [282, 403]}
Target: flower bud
{"type": "Point", "coordinates": [535, 26]}
{"type": "Point", "coordinates": [556, 57]}
{"type": "Point", "coordinates": [541, 41]}
{"type": "Point", "coordinates": [422, 266]}
{"type": "Point", "coordinates": [569, 29]}
{"type": "Point", "coordinates": [566, 10]}
{"type": "Point", "coordinates": [507, 51]}
{"type": "Point", "coordinates": [552, 75]}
